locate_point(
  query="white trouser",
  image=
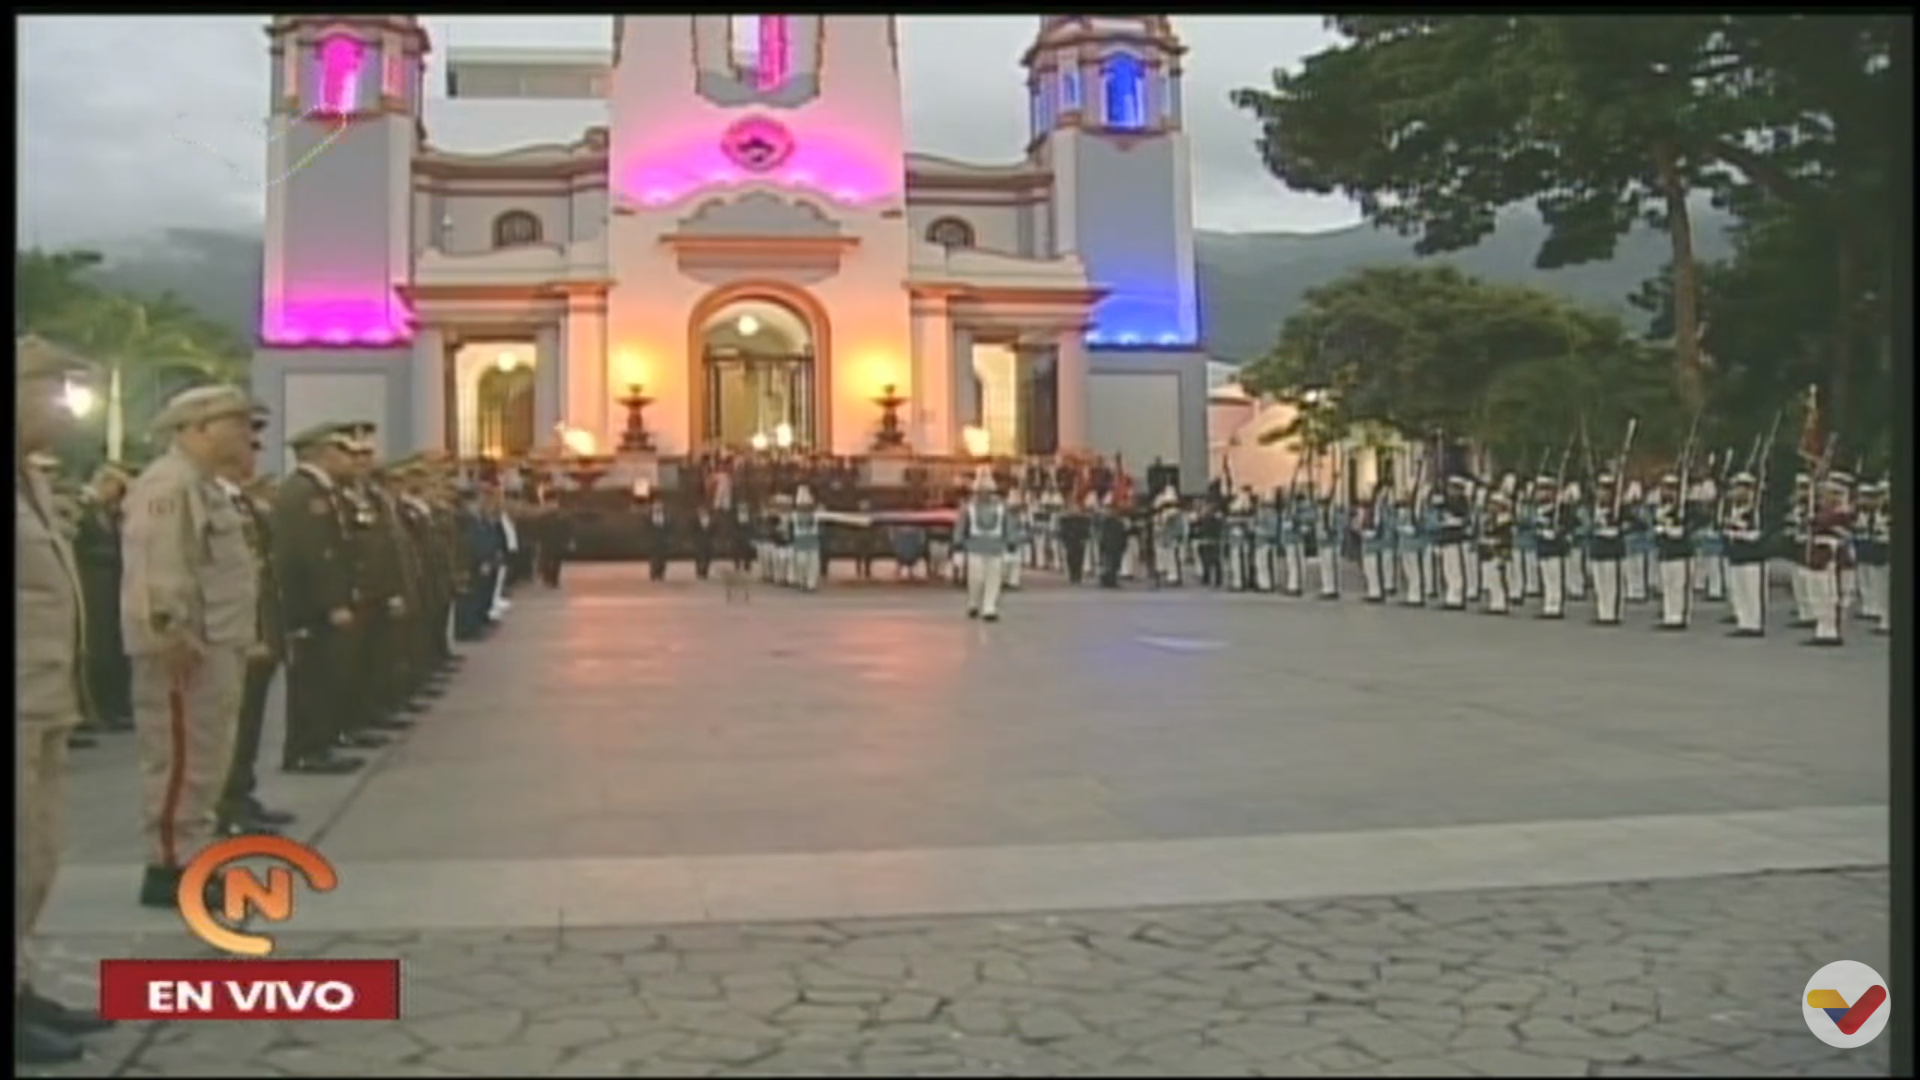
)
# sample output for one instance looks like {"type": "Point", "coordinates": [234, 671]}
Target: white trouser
{"type": "Point", "coordinates": [1823, 596]}
{"type": "Point", "coordinates": [1849, 591]}
{"type": "Point", "coordinates": [806, 568]}
{"type": "Point", "coordinates": [1802, 598]}
{"type": "Point", "coordinates": [1747, 592]}
{"type": "Point", "coordinates": [1129, 558]}
{"type": "Point", "coordinates": [1263, 568]}
{"type": "Point", "coordinates": [1375, 565]}
{"type": "Point", "coordinates": [1493, 584]}
{"type": "Point", "coordinates": [1236, 568]}
{"type": "Point", "coordinates": [500, 605]}
{"type": "Point", "coordinates": [1436, 573]}
{"type": "Point", "coordinates": [1674, 593]}
{"type": "Point", "coordinates": [1606, 589]}
{"type": "Point", "coordinates": [1470, 561]}
{"type": "Point", "coordinates": [1873, 591]}
{"type": "Point", "coordinates": [1294, 580]}
{"type": "Point", "coordinates": [1530, 578]}
{"type": "Point", "coordinates": [1575, 578]}
{"type": "Point", "coordinates": [1453, 575]}
{"type": "Point", "coordinates": [983, 584]}
{"type": "Point", "coordinates": [1517, 572]}
{"type": "Point", "coordinates": [1413, 576]}
{"type": "Point", "coordinates": [1553, 586]}
{"type": "Point", "coordinates": [1329, 560]}
{"type": "Point", "coordinates": [1010, 571]}
{"type": "Point", "coordinates": [1714, 569]}
{"type": "Point", "coordinates": [1166, 559]}
{"type": "Point", "coordinates": [1635, 571]}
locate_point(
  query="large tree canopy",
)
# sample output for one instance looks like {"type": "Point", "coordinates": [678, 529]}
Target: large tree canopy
{"type": "Point", "coordinates": [1430, 351]}
{"type": "Point", "coordinates": [1436, 124]}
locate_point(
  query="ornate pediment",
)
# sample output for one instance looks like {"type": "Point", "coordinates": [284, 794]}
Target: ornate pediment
{"type": "Point", "coordinates": [759, 214]}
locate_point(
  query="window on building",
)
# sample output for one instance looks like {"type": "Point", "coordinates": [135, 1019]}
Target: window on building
{"type": "Point", "coordinates": [1069, 88]}
{"type": "Point", "coordinates": [950, 233]}
{"type": "Point", "coordinates": [758, 47]}
{"type": "Point", "coordinates": [340, 60]}
{"type": "Point", "coordinates": [515, 228]}
{"type": "Point", "coordinates": [1124, 92]}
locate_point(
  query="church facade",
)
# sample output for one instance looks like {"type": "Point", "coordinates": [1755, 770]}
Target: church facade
{"type": "Point", "coordinates": [719, 215]}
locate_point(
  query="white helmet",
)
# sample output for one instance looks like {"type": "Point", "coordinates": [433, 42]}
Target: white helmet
{"type": "Point", "coordinates": [1167, 497]}
{"type": "Point", "coordinates": [1242, 503]}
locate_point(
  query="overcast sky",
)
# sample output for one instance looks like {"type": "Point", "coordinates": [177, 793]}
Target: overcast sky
{"type": "Point", "coordinates": [129, 125]}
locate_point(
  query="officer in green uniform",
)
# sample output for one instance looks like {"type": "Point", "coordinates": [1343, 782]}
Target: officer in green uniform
{"type": "Point", "coordinates": [404, 522]}
{"type": "Point", "coordinates": [239, 810]}
{"type": "Point", "coordinates": [312, 561]}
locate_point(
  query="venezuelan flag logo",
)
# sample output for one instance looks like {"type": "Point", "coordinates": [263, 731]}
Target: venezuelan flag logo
{"type": "Point", "coordinates": [1849, 1018]}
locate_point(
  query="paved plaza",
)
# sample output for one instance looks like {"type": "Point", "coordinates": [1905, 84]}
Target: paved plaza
{"type": "Point", "coordinates": [651, 832]}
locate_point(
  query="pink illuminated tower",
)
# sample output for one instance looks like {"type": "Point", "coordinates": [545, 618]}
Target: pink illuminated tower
{"type": "Point", "coordinates": [344, 125]}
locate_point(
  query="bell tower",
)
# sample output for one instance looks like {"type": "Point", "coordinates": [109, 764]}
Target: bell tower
{"type": "Point", "coordinates": [1104, 94]}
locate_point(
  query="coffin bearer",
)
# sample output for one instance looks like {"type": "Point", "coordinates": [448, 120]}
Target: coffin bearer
{"type": "Point", "coordinates": [981, 532]}
{"type": "Point", "coordinates": [189, 611]}
{"type": "Point", "coordinates": [240, 811]}
{"type": "Point", "coordinates": [312, 560]}
{"type": "Point", "coordinates": [48, 679]}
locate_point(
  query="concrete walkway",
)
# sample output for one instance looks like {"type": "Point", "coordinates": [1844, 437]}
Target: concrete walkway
{"type": "Point", "coordinates": [647, 768]}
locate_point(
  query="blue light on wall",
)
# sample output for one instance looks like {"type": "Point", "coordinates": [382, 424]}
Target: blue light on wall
{"type": "Point", "coordinates": [1069, 89]}
{"type": "Point", "coordinates": [1124, 86]}
{"type": "Point", "coordinates": [1142, 310]}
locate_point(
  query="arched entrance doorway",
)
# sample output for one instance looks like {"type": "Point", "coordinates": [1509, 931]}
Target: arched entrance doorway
{"type": "Point", "coordinates": [504, 412]}
{"type": "Point", "coordinates": [759, 376]}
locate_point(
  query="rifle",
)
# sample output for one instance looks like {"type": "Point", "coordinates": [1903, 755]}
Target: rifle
{"type": "Point", "coordinates": [1686, 465]}
{"type": "Point", "coordinates": [1620, 468]}
{"type": "Point", "coordinates": [1586, 446]}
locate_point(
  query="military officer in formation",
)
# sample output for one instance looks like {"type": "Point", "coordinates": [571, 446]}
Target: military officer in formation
{"type": "Point", "coordinates": [1596, 544]}
{"type": "Point", "coordinates": [983, 534]}
{"type": "Point", "coordinates": [49, 664]}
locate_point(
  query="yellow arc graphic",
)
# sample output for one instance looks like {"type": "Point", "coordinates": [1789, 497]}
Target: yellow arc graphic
{"type": "Point", "coordinates": [1826, 999]}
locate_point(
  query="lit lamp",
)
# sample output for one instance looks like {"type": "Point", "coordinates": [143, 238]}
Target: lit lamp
{"type": "Point", "coordinates": [585, 466]}
{"type": "Point", "coordinates": [635, 439]}
{"type": "Point", "coordinates": [78, 398]}
{"type": "Point", "coordinates": [758, 442]}
{"type": "Point", "coordinates": [977, 441]}
{"type": "Point", "coordinates": [783, 435]}
{"type": "Point", "coordinates": [889, 437]}
{"type": "Point", "coordinates": [506, 362]}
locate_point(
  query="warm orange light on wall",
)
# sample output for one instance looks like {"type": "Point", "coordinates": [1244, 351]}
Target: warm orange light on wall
{"type": "Point", "coordinates": [879, 371]}
{"type": "Point", "coordinates": [631, 367]}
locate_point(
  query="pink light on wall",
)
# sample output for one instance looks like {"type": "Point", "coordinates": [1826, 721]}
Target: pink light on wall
{"type": "Point", "coordinates": [340, 61]}
{"type": "Point", "coordinates": [336, 318]}
{"type": "Point", "coordinates": [841, 169]}
{"type": "Point", "coordinates": [774, 63]}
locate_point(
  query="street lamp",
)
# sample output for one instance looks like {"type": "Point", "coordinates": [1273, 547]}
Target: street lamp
{"type": "Point", "coordinates": [783, 435]}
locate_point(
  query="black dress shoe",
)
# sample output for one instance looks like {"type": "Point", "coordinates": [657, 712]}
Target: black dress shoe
{"type": "Point", "coordinates": [1746, 633]}
{"type": "Point", "coordinates": [160, 888]}
{"type": "Point", "coordinates": [1823, 643]}
{"type": "Point", "coordinates": [322, 765]}
{"type": "Point", "coordinates": [1555, 615]}
{"type": "Point", "coordinates": [49, 1013]}
{"type": "Point", "coordinates": [78, 741]}
{"type": "Point", "coordinates": [245, 826]}
{"type": "Point", "coordinates": [272, 817]}
{"type": "Point", "coordinates": [361, 741]}
{"type": "Point", "coordinates": [1669, 627]}
{"type": "Point", "coordinates": [35, 1044]}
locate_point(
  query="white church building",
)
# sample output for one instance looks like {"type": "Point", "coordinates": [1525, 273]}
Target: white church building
{"type": "Point", "coordinates": [721, 214]}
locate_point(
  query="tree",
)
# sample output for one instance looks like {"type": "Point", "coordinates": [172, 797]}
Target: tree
{"type": "Point", "coordinates": [150, 349]}
{"type": "Point", "coordinates": [1430, 351]}
{"type": "Point", "coordinates": [1436, 124]}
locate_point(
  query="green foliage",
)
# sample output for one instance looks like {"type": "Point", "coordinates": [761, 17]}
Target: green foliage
{"type": "Point", "coordinates": [1426, 351]}
{"type": "Point", "coordinates": [150, 349]}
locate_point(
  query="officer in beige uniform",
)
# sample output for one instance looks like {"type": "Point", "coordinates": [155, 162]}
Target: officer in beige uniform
{"type": "Point", "coordinates": [50, 701]}
{"type": "Point", "coordinates": [189, 611]}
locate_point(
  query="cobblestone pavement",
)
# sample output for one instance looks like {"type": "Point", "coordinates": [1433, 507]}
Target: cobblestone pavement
{"type": "Point", "coordinates": [1690, 977]}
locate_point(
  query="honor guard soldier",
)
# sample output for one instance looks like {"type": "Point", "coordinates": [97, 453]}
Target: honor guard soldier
{"type": "Point", "coordinates": [1376, 544]}
{"type": "Point", "coordinates": [1559, 518]}
{"type": "Point", "coordinates": [1534, 505]}
{"type": "Point", "coordinates": [49, 680]}
{"type": "Point", "coordinates": [1456, 515]}
{"type": "Point", "coordinates": [1266, 543]}
{"type": "Point", "coordinates": [1579, 547]}
{"type": "Point", "coordinates": [1019, 535]}
{"type": "Point", "coordinates": [1209, 533]}
{"type": "Point", "coordinates": [1330, 533]}
{"type": "Point", "coordinates": [981, 533]}
{"type": "Point", "coordinates": [1746, 557]}
{"type": "Point", "coordinates": [189, 614]}
{"type": "Point", "coordinates": [1607, 551]}
{"type": "Point", "coordinates": [804, 537]}
{"type": "Point", "coordinates": [1828, 555]}
{"type": "Point", "coordinates": [1873, 547]}
{"type": "Point", "coordinates": [240, 810]}
{"type": "Point", "coordinates": [313, 560]}
{"type": "Point", "coordinates": [1636, 514]}
{"type": "Point", "coordinates": [1046, 530]}
{"type": "Point", "coordinates": [1470, 546]}
{"type": "Point", "coordinates": [1709, 547]}
{"type": "Point", "coordinates": [1796, 540]}
{"type": "Point", "coordinates": [1495, 551]}
{"type": "Point", "coordinates": [1240, 542]}
{"type": "Point", "coordinates": [1167, 536]}
{"type": "Point", "coordinates": [1112, 538]}
{"type": "Point", "coordinates": [1673, 551]}
{"type": "Point", "coordinates": [1410, 544]}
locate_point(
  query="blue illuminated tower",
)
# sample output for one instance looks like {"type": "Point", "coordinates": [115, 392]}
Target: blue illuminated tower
{"type": "Point", "coordinates": [1106, 120]}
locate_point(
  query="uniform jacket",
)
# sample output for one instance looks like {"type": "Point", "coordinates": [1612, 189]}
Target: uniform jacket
{"type": "Point", "coordinates": [188, 571]}
{"type": "Point", "coordinates": [46, 659]}
{"type": "Point", "coordinates": [982, 528]}
{"type": "Point", "coordinates": [310, 552]}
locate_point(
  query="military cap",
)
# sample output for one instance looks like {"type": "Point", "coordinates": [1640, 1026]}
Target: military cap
{"type": "Point", "coordinates": [1839, 481]}
{"type": "Point", "coordinates": [1743, 479]}
{"type": "Point", "coordinates": [34, 357]}
{"type": "Point", "coordinates": [202, 404]}
{"type": "Point", "coordinates": [331, 433]}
